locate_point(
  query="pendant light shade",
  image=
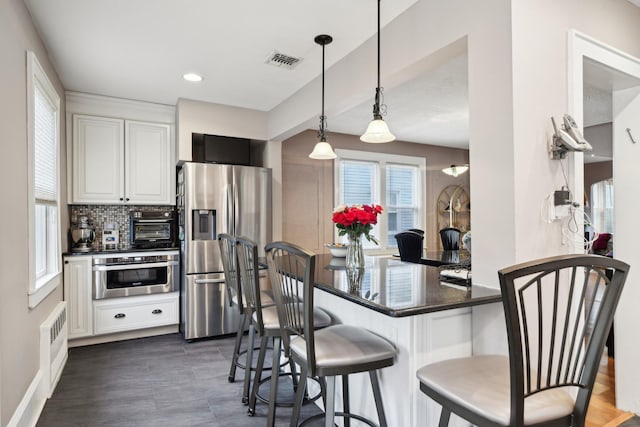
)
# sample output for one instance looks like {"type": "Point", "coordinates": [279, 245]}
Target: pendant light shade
{"type": "Point", "coordinates": [378, 131]}
{"type": "Point", "coordinates": [322, 150]}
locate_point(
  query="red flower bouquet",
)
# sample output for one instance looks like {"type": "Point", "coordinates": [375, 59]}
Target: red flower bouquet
{"type": "Point", "coordinates": [356, 220]}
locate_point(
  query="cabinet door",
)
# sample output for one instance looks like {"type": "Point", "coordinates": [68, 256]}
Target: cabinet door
{"type": "Point", "coordinates": [98, 160]}
{"type": "Point", "coordinates": [149, 177]}
{"type": "Point", "coordinates": [78, 294]}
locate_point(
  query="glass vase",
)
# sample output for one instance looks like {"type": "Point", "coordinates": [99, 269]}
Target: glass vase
{"type": "Point", "coordinates": [355, 254]}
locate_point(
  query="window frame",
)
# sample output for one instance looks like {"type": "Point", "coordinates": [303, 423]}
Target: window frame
{"type": "Point", "coordinates": [380, 189]}
{"type": "Point", "coordinates": [41, 285]}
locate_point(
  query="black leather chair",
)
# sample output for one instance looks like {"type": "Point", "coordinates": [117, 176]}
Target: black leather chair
{"type": "Point", "coordinates": [410, 245]}
{"type": "Point", "coordinates": [556, 332]}
{"type": "Point", "coordinates": [450, 239]}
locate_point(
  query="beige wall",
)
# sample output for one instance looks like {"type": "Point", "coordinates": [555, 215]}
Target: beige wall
{"type": "Point", "coordinates": [19, 333]}
{"type": "Point", "coordinates": [308, 198]}
{"type": "Point", "coordinates": [596, 172]}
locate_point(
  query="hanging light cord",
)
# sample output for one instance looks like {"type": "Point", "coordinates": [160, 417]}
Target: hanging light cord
{"type": "Point", "coordinates": [377, 106]}
{"type": "Point", "coordinates": [323, 118]}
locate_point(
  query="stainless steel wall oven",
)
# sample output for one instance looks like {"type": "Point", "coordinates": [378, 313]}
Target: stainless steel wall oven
{"type": "Point", "coordinates": [135, 273]}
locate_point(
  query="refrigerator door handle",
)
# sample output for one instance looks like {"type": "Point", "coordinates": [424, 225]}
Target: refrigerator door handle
{"type": "Point", "coordinates": [229, 207]}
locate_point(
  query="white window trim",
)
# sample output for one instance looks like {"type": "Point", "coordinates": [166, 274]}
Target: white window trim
{"type": "Point", "coordinates": [40, 288]}
{"type": "Point", "coordinates": [383, 159]}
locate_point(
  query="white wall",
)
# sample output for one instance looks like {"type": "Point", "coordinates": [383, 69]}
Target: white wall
{"type": "Point", "coordinates": [215, 119]}
{"type": "Point", "coordinates": [19, 326]}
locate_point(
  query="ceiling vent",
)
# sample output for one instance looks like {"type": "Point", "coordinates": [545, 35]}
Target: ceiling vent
{"type": "Point", "coordinates": [283, 61]}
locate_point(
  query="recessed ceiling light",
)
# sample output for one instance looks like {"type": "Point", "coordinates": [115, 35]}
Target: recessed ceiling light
{"type": "Point", "coordinates": [192, 77]}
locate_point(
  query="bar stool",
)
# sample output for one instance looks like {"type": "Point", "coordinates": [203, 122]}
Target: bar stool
{"type": "Point", "coordinates": [556, 331]}
{"type": "Point", "coordinates": [328, 352]}
{"type": "Point", "coordinates": [265, 320]}
{"type": "Point", "coordinates": [227, 245]}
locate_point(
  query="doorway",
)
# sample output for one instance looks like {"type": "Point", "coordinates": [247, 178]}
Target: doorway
{"type": "Point", "coordinates": [618, 74]}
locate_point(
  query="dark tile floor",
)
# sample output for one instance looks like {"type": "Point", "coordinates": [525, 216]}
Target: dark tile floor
{"type": "Point", "coordinates": [633, 422]}
{"type": "Point", "coordinates": [154, 382]}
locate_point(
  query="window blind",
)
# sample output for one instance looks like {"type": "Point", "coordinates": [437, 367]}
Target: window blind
{"type": "Point", "coordinates": [45, 180]}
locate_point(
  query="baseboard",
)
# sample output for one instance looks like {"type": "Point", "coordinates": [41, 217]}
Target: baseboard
{"type": "Point", "coordinates": [139, 333]}
{"type": "Point", "coordinates": [31, 405]}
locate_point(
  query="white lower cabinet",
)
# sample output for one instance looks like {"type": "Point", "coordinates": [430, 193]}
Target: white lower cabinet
{"type": "Point", "coordinates": [78, 295]}
{"type": "Point", "coordinates": [136, 312]}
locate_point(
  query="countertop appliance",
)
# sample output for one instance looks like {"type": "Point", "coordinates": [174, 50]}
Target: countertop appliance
{"type": "Point", "coordinates": [214, 199]}
{"type": "Point", "coordinates": [138, 273]}
{"type": "Point", "coordinates": [82, 235]}
{"type": "Point", "coordinates": [152, 229]}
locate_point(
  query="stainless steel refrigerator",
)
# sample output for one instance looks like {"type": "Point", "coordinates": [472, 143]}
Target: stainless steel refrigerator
{"type": "Point", "coordinates": [214, 199]}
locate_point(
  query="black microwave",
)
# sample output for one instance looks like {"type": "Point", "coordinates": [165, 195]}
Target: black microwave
{"type": "Point", "coordinates": [152, 229]}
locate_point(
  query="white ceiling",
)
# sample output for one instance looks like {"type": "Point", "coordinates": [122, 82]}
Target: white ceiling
{"type": "Point", "coordinates": [140, 49]}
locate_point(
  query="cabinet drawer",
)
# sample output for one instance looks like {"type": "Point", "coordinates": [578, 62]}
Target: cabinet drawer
{"type": "Point", "coordinates": [124, 314]}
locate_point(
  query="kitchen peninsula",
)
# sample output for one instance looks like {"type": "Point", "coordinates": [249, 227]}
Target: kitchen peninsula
{"type": "Point", "coordinates": [426, 320]}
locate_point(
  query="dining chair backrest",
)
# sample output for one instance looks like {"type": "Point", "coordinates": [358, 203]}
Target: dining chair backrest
{"type": "Point", "coordinates": [558, 314]}
{"type": "Point", "coordinates": [410, 245]}
{"type": "Point", "coordinates": [292, 273]}
{"type": "Point", "coordinates": [450, 238]}
{"type": "Point", "coordinates": [230, 267]}
{"type": "Point", "coordinates": [248, 269]}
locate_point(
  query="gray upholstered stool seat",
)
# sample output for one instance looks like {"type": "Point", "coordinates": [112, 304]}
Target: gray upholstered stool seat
{"type": "Point", "coordinates": [481, 384]}
{"type": "Point", "coordinates": [270, 318]}
{"type": "Point", "coordinates": [266, 296]}
{"type": "Point", "coordinates": [344, 349]}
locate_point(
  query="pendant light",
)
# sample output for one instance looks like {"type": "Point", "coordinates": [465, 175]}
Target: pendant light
{"type": "Point", "coordinates": [323, 150]}
{"type": "Point", "coordinates": [378, 131]}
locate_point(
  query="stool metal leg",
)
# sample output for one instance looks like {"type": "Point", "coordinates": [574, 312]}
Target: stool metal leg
{"type": "Point", "coordinates": [329, 403]}
{"type": "Point", "coordinates": [258, 375]}
{"type": "Point", "coordinates": [444, 417]}
{"type": "Point", "coordinates": [275, 373]}
{"type": "Point", "coordinates": [375, 385]}
{"type": "Point", "coordinates": [236, 349]}
{"type": "Point", "coordinates": [300, 393]}
{"type": "Point", "coordinates": [345, 400]}
{"type": "Point", "coordinates": [247, 371]}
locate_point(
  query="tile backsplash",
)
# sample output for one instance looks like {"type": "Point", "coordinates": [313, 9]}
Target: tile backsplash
{"type": "Point", "coordinates": [100, 214]}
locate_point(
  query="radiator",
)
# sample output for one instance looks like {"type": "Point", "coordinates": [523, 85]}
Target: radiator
{"type": "Point", "coordinates": [53, 347]}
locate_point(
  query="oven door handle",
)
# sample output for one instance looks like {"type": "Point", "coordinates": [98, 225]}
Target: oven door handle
{"type": "Point", "coordinates": [159, 221]}
{"type": "Point", "coordinates": [134, 266]}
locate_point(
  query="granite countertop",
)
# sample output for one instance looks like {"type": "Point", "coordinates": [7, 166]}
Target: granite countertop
{"type": "Point", "coordinates": [398, 288]}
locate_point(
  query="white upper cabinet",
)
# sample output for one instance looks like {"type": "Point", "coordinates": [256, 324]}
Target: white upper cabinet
{"type": "Point", "coordinates": [121, 161]}
{"type": "Point", "coordinates": [147, 161]}
{"type": "Point", "coordinates": [98, 160]}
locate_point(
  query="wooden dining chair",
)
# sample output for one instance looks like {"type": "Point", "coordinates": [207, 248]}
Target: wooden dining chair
{"type": "Point", "coordinates": [557, 324]}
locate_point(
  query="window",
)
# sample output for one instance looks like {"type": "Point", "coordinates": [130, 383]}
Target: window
{"type": "Point", "coordinates": [602, 206]}
{"type": "Point", "coordinates": [395, 182]}
{"type": "Point", "coordinates": [44, 225]}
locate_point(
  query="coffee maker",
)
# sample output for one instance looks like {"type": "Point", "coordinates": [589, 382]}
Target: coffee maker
{"type": "Point", "coordinates": [82, 235]}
